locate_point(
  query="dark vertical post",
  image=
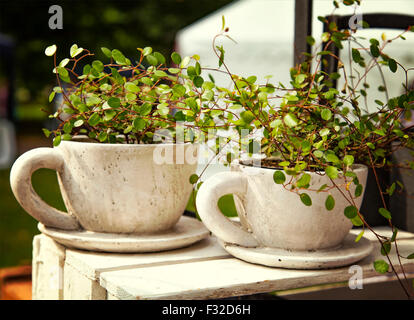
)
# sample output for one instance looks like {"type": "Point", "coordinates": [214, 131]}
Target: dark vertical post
{"type": "Point", "coordinates": [7, 56]}
{"type": "Point", "coordinates": [11, 75]}
{"type": "Point", "coordinates": [303, 28]}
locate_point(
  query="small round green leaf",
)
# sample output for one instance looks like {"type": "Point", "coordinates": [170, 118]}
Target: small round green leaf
{"type": "Point", "coordinates": [247, 116]}
{"type": "Point", "coordinates": [374, 50]}
{"type": "Point", "coordinates": [109, 114]}
{"type": "Point", "coordinates": [106, 52]}
{"type": "Point", "coordinates": [385, 213]}
{"type": "Point", "coordinates": [357, 222]}
{"type": "Point", "coordinates": [331, 172]}
{"type": "Point", "coordinates": [98, 65]}
{"type": "Point", "coordinates": [359, 236]}
{"type": "Point", "coordinates": [151, 60]}
{"type": "Point", "coordinates": [64, 62]}
{"type": "Point", "coordinates": [198, 81]}
{"type": "Point", "coordinates": [94, 119]}
{"type": "Point", "coordinates": [303, 181]}
{"type": "Point", "coordinates": [348, 160]}
{"type": "Point", "coordinates": [318, 153]}
{"type": "Point", "coordinates": [358, 190]}
{"type": "Point", "coordinates": [381, 266]}
{"type": "Point", "coordinates": [102, 136]}
{"type": "Point", "coordinates": [160, 73]}
{"type": "Point", "coordinates": [385, 248]}
{"type": "Point", "coordinates": [78, 123]}
{"type": "Point", "coordinates": [310, 40]}
{"type": "Point", "coordinates": [67, 137]}
{"type": "Point", "coordinates": [174, 70]}
{"type": "Point", "coordinates": [279, 177]}
{"type": "Point", "coordinates": [198, 68]}
{"type": "Point", "coordinates": [329, 203]}
{"type": "Point", "coordinates": [193, 178]}
{"type": "Point", "coordinates": [356, 56]}
{"type": "Point", "coordinates": [176, 58]}
{"type": "Point", "coordinates": [146, 51]}
{"type": "Point", "coordinates": [46, 132]}
{"type": "Point", "coordinates": [351, 212]}
{"type": "Point", "coordinates": [118, 56]}
{"type": "Point", "coordinates": [50, 51]}
{"type": "Point", "coordinates": [114, 102]}
{"type": "Point", "coordinates": [145, 109]}
{"type": "Point", "coordinates": [51, 96]}
{"type": "Point", "coordinates": [306, 146]}
{"type": "Point", "coordinates": [74, 50]}
{"type": "Point", "coordinates": [290, 120]}
{"type": "Point", "coordinates": [159, 56]}
{"type": "Point", "coordinates": [131, 87]}
{"type": "Point", "coordinates": [63, 73]}
{"type": "Point", "coordinates": [57, 140]}
{"type": "Point", "coordinates": [392, 64]}
{"type": "Point", "coordinates": [131, 96]}
{"type": "Point", "coordinates": [306, 200]}
{"type": "Point", "coordinates": [179, 90]}
{"type": "Point", "coordinates": [139, 124]}
{"type": "Point", "coordinates": [326, 114]}
{"type": "Point", "coordinates": [330, 157]}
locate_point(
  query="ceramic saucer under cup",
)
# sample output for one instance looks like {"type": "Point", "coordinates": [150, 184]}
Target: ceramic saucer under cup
{"type": "Point", "coordinates": [186, 232]}
{"type": "Point", "coordinates": [347, 253]}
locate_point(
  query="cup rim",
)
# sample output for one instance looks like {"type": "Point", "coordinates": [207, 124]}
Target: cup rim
{"type": "Point", "coordinates": [77, 139]}
{"type": "Point", "coordinates": [356, 167]}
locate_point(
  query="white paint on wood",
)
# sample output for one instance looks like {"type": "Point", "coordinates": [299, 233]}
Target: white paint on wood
{"type": "Point", "coordinates": [201, 271]}
{"type": "Point", "coordinates": [228, 277]}
{"type": "Point", "coordinates": [79, 287]}
{"type": "Point", "coordinates": [91, 264]}
{"type": "Point", "coordinates": [47, 274]}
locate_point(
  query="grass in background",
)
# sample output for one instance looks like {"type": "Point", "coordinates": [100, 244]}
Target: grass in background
{"type": "Point", "coordinates": [17, 227]}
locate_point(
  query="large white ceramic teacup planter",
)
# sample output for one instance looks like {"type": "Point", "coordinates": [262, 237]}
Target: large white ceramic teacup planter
{"type": "Point", "coordinates": [110, 188]}
{"type": "Point", "coordinates": [272, 217]}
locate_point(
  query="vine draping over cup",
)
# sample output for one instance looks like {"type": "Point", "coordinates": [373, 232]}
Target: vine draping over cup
{"type": "Point", "coordinates": [214, 146]}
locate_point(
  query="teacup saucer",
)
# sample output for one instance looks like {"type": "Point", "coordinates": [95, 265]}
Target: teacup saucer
{"type": "Point", "coordinates": [186, 232]}
{"type": "Point", "coordinates": [348, 253]}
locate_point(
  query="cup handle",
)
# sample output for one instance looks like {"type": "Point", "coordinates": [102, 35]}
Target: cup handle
{"type": "Point", "coordinates": [207, 197]}
{"type": "Point", "coordinates": [21, 184]}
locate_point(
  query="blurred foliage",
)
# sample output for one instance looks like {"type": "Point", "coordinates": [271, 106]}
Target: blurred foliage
{"type": "Point", "coordinates": [17, 228]}
{"type": "Point", "coordinates": [122, 24]}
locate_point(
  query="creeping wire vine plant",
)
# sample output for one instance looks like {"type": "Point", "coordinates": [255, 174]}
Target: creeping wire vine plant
{"type": "Point", "coordinates": [127, 102]}
{"type": "Point", "coordinates": [311, 126]}
{"type": "Point", "coordinates": [306, 126]}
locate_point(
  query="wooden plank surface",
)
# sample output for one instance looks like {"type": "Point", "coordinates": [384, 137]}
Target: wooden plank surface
{"type": "Point", "coordinates": [220, 278]}
{"type": "Point", "coordinates": [91, 264]}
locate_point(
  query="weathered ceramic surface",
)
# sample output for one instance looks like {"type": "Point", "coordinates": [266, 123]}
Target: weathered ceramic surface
{"type": "Point", "coordinates": [186, 232]}
{"type": "Point", "coordinates": [345, 254]}
{"type": "Point", "coordinates": [272, 216]}
{"type": "Point", "coordinates": [115, 188]}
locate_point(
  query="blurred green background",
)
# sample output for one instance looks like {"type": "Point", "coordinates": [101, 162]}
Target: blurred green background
{"type": "Point", "coordinates": [92, 24]}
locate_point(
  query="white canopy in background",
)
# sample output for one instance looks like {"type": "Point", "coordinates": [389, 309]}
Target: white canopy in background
{"type": "Point", "coordinates": [264, 31]}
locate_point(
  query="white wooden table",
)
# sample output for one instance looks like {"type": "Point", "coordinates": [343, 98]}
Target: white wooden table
{"type": "Point", "coordinates": [202, 271]}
